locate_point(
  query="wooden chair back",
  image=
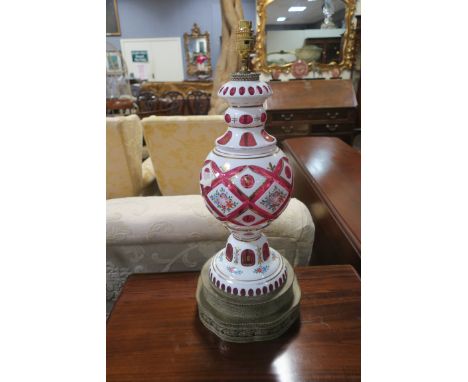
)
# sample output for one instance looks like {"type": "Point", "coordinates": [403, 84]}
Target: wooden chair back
{"type": "Point", "coordinates": [148, 104]}
{"type": "Point", "coordinates": [198, 102]}
{"type": "Point", "coordinates": [172, 103]}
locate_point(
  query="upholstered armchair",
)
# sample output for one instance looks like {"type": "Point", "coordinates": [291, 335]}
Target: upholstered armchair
{"type": "Point", "coordinates": [177, 233]}
{"type": "Point", "coordinates": [125, 173]}
{"type": "Point", "coordinates": [178, 146]}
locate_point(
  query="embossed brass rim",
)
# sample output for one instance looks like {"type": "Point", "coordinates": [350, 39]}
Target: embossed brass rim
{"type": "Point", "coordinates": [347, 54]}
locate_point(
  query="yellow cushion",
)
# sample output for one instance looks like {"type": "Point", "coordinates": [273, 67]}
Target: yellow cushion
{"type": "Point", "coordinates": [178, 146]}
{"type": "Point", "coordinates": [123, 156]}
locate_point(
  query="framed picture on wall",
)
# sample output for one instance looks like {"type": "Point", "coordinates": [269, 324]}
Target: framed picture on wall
{"type": "Point", "coordinates": [112, 18]}
{"type": "Point", "coordinates": [114, 62]}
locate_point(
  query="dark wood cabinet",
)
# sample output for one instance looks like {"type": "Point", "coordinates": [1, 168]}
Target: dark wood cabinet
{"type": "Point", "coordinates": [312, 108]}
{"type": "Point", "coordinates": [327, 179]}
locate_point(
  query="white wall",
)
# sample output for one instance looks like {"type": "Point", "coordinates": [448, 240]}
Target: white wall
{"type": "Point", "coordinates": [167, 18]}
{"type": "Point", "coordinates": [164, 58]}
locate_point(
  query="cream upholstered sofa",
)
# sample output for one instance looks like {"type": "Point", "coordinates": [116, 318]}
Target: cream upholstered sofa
{"type": "Point", "coordinates": [176, 232]}
{"type": "Point", "coordinates": [125, 174]}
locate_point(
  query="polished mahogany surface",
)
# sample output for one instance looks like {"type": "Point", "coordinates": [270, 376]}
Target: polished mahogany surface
{"type": "Point", "coordinates": [328, 181]}
{"type": "Point", "coordinates": [119, 106]}
{"type": "Point", "coordinates": [154, 334]}
{"type": "Point", "coordinates": [311, 94]}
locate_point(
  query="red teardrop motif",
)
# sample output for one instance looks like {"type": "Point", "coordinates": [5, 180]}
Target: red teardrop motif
{"type": "Point", "coordinates": [263, 117]}
{"type": "Point", "coordinates": [259, 89]}
{"type": "Point", "coordinates": [232, 91]}
{"type": "Point", "coordinates": [246, 119]}
{"type": "Point", "coordinates": [247, 139]}
{"type": "Point", "coordinates": [265, 251]}
{"type": "Point", "coordinates": [241, 90]}
{"type": "Point", "coordinates": [227, 118]}
{"type": "Point", "coordinates": [225, 138]}
{"type": "Point", "coordinates": [229, 252]}
{"type": "Point", "coordinates": [247, 258]}
{"type": "Point", "coordinates": [225, 90]}
{"type": "Point", "coordinates": [251, 90]}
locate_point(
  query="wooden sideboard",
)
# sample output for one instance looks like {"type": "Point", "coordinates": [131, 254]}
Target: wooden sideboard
{"type": "Point", "coordinates": [327, 179]}
{"type": "Point", "coordinates": [312, 108]}
{"type": "Point", "coordinates": [182, 87]}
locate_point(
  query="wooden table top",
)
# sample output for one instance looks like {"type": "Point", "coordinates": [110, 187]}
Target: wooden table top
{"type": "Point", "coordinates": [154, 334]}
{"type": "Point", "coordinates": [311, 94]}
{"type": "Point", "coordinates": [119, 103]}
{"type": "Point", "coordinates": [335, 171]}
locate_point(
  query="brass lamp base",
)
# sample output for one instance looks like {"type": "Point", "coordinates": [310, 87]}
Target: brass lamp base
{"type": "Point", "coordinates": [240, 319]}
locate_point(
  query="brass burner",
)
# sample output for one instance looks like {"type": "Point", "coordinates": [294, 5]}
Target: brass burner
{"type": "Point", "coordinates": [245, 43]}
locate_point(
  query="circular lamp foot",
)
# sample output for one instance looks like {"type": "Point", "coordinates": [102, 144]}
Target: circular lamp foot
{"type": "Point", "coordinates": [248, 319]}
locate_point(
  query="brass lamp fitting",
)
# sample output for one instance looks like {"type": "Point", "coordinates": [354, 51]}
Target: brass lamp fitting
{"type": "Point", "coordinates": [245, 43]}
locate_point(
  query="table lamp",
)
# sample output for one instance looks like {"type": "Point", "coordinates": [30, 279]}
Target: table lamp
{"type": "Point", "coordinates": [247, 291]}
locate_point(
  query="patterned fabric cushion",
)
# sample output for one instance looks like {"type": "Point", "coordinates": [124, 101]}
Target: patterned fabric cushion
{"type": "Point", "coordinates": [177, 233]}
{"type": "Point", "coordinates": [148, 175]}
{"type": "Point", "coordinates": [178, 146]}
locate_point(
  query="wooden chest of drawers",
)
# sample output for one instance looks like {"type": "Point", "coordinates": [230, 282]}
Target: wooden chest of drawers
{"type": "Point", "coordinates": [327, 179]}
{"type": "Point", "coordinates": [312, 108]}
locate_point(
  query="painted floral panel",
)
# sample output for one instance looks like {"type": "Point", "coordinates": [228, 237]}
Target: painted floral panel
{"type": "Point", "coordinates": [224, 200]}
{"type": "Point", "coordinates": [273, 198]}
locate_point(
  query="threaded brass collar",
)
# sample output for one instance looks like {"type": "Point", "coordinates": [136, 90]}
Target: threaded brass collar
{"type": "Point", "coordinates": [245, 76]}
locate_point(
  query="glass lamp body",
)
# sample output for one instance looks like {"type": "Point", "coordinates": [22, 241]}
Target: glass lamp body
{"type": "Point", "coordinates": [246, 182]}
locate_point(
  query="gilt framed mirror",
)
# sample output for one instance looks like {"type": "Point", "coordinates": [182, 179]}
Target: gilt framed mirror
{"type": "Point", "coordinates": [319, 32]}
{"type": "Point", "coordinates": [197, 53]}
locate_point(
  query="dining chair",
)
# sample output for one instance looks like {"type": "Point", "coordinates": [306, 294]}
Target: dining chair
{"type": "Point", "coordinates": [198, 102]}
{"type": "Point", "coordinates": [148, 104]}
{"type": "Point", "coordinates": [174, 103]}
